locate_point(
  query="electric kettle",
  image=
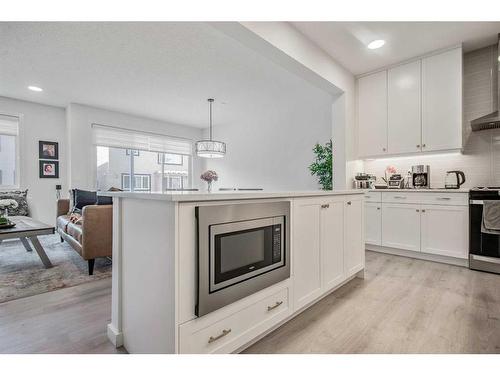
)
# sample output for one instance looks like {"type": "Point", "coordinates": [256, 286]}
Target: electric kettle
{"type": "Point", "coordinates": [454, 179]}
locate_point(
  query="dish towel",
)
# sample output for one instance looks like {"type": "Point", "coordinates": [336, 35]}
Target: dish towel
{"type": "Point", "coordinates": [491, 217]}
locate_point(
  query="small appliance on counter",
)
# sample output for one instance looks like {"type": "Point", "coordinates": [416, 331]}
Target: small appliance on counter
{"type": "Point", "coordinates": [395, 181]}
{"type": "Point", "coordinates": [454, 179]}
{"type": "Point", "coordinates": [364, 181]}
{"type": "Point", "coordinates": [421, 177]}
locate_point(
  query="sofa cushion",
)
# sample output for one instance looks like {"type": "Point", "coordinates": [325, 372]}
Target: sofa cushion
{"type": "Point", "coordinates": [82, 198]}
{"type": "Point", "coordinates": [75, 231]}
{"type": "Point", "coordinates": [20, 198]}
{"type": "Point", "coordinates": [62, 222]}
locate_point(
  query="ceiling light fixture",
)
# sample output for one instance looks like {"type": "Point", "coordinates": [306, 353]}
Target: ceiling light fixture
{"type": "Point", "coordinates": [376, 44]}
{"type": "Point", "coordinates": [210, 148]}
{"type": "Point", "coordinates": [35, 88]}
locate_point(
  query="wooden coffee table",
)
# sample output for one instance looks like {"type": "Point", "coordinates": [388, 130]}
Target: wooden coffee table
{"type": "Point", "coordinates": [27, 230]}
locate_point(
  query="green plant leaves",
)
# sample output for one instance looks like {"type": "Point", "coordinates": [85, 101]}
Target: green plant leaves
{"type": "Point", "coordinates": [323, 165]}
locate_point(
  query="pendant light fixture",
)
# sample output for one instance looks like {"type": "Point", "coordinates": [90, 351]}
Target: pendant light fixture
{"type": "Point", "coordinates": [210, 148]}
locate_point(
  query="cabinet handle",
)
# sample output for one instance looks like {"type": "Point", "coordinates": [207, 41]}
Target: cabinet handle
{"type": "Point", "coordinates": [423, 210]}
{"type": "Point", "coordinates": [418, 146]}
{"type": "Point", "coordinates": [423, 145]}
{"type": "Point", "coordinates": [378, 208]}
{"type": "Point", "coordinates": [325, 206]}
{"type": "Point", "coordinates": [277, 304]}
{"type": "Point", "coordinates": [398, 197]}
{"type": "Point", "coordinates": [349, 203]}
{"type": "Point", "coordinates": [384, 149]}
{"type": "Point", "coordinates": [443, 198]}
{"type": "Point", "coordinates": [417, 210]}
{"type": "Point", "coordinates": [225, 332]}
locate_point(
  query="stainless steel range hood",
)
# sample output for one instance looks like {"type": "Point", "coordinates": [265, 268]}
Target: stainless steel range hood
{"type": "Point", "coordinates": [491, 120]}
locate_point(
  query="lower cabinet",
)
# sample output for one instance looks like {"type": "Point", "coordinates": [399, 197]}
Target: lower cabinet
{"type": "Point", "coordinates": [445, 230]}
{"type": "Point", "coordinates": [401, 226]}
{"type": "Point", "coordinates": [328, 244]}
{"type": "Point", "coordinates": [373, 223]}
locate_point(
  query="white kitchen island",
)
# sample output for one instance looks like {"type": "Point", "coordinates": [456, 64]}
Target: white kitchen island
{"type": "Point", "coordinates": [155, 268]}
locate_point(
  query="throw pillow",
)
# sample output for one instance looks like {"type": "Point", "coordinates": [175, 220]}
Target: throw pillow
{"type": "Point", "coordinates": [20, 198]}
{"type": "Point", "coordinates": [82, 198]}
{"type": "Point", "coordinates": [104, 200]}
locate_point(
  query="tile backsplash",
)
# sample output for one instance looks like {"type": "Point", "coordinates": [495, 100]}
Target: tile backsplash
{"type": "Point", "coordinates": [480, 161]}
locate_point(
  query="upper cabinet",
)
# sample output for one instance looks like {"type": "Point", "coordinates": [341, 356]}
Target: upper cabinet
{"type": "Point", "coordinates": [404, 109]}
{"type": "Point", "coordinates": [372, 114]}
{"type": "Point", "coordinates": [413, 107]}
{"type": "Point", "coordinates": [442, 101]}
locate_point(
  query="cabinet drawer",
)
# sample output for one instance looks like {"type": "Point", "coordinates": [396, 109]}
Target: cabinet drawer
{"type": "Point", "coordinates": [373, 196]}
{"type": "Point", "coordinates": [421, 197]}
{"type": "Point", "coordinates": [231, 332]}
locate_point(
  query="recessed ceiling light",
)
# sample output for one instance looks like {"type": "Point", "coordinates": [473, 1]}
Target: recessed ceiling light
{"type": "Point", "coordinates": [376, 44]}
{"type": "Point", "coordinates": [35, 88]}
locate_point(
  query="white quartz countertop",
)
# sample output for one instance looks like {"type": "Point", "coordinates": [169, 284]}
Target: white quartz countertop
{"type": "Point", "coordinates": [193, 196]}
{"type": "Point", "coordinates": [417, 190]}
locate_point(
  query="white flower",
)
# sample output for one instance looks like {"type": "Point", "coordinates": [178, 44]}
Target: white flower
{"type": "Point", "coordinates": [8, 203]}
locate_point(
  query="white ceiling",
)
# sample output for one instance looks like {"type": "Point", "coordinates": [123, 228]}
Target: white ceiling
{"type": "Point", "coordinates": [346, 41]}
{"type": "Point", "coordinates": [161, 70]}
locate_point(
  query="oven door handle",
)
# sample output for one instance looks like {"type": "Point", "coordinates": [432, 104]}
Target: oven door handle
{"type": "Point", "coordinates": [478, 202]}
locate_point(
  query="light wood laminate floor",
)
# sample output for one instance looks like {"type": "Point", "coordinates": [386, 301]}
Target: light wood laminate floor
{"type": "Point", "coordinates": [402, 306]}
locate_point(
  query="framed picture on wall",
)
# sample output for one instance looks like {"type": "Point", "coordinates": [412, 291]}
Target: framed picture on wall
{"type": "Point", "coordinates": [49, 169]}
{"type": "Point", "coordinates": [48, 150]}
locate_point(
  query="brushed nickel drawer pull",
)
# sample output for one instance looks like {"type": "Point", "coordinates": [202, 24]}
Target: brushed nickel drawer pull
{"type": "Point", "coordinates": [325, 206]}
{"type": "Point", "coordinates": [443, 198]}
{"type": "Point", "coordinates": [399, 197]}
{"type": "Point", "coordinates": [277, 304]}
{"type": "Point", "coordinates": [349, 203]}
{"type": "Point", "coordinates": [225, 332]}
{"type": "Point", "coordinates": [423, 210]}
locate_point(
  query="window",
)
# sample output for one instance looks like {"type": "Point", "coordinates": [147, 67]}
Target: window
{"type": "Point", "coordinates": [9, 128]}
{"type": "Point", "coordinates": [142, 182]}
{"type": "Point", "coordinates": [135, 161]}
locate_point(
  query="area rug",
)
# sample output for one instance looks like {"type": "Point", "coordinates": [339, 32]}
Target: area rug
{"type": "Point", "coordinates": [22, 273]}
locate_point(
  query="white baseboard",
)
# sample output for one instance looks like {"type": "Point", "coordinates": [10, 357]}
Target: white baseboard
{"type": "Point", "coordinates": [418, 255]}
{"type": "Point", "coordinates": [114, 336]}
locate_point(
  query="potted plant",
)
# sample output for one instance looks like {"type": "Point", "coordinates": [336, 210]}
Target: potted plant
{"type": "Point", "coordinates": [322, 165]}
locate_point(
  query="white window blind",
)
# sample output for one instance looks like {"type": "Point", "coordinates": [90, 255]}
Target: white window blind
{"type": "Point", "coordinates": [9, 125]}
{"type": "Point", "coordinates": [108, 136]}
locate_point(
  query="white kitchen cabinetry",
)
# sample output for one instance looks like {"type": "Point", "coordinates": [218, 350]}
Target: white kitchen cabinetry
{"type": "Point", "coordinates": [332, 243]}
{"type": "Point", "coordinates": [354, 249]}
{"type": "Point", "coordinates": [372, 114]}
{"type": "Point", "coordinates": [306, 261]}
{"type": "Point", "coordinates": [411, 108]}
{"type": "Point", "coordinates": [373, 223]}
{"type": "Point", "coordinates": [328, 245]}
{"type": "Point", "coordinates": [404, 109]}
{"type": "Point", "coordinates": [401, 226]}
{"type": "Point", "coordinates": [442, 101]}
{"type": "Point", "coordinates": [444, 230]}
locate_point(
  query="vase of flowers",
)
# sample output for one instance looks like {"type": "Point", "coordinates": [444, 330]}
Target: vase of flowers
{"type": "Point", "coordinates": [209, 176]}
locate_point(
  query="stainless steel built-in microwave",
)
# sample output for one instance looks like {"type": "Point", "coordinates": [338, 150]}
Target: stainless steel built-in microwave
{"type": "Point", "coordinates": [242, 248]}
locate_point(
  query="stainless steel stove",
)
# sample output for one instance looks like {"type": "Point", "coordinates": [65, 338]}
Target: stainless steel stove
{"type": "Point", "coordinates": [484, 248]}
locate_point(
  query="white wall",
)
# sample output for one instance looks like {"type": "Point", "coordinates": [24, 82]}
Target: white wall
{"type": "Point", "coordinates": [38, 123]}
{"type": "Point", "coordinates": [82, 168]}
{"type": "Point", "coordinates": [271, 148]}
{"type": "Point", "coordinates": [301, 56]}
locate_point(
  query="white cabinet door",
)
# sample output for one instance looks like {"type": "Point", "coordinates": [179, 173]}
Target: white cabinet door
{"type": "Point", "coordinates": [445, 230]}
{"type": "Point", "coordinates": [354, 242]}
{"type": "Point", "coordinates": [401, 226]}
{"type": "Point", "coordinates": [442, 101]}
{"type": "Point", "coordinates": [372, 114]}
{"type": "Point", "coordinates": [404, 123]}
{"type": "Point", "coordinates": [332, 243]}
{"type": "Point", "coordinates": [373, 223]}
{"type": "Point", "coordinates": [306, 252]}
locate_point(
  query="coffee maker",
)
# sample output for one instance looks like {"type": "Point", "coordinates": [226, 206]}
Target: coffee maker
{"type": "Point", "coordinates": [421, 177]}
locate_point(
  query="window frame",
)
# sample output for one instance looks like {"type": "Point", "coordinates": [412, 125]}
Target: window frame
{"type": "Point", "coordinates": [141, 175]}
{"type": "Point", "coordinates": [17, 168]}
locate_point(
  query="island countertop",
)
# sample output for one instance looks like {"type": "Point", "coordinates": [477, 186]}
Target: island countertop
{"type": "Point", "coordinates": [195, 196]}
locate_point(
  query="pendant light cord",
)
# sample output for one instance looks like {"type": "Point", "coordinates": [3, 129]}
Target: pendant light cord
{"type": "Point", "coordinates": [210, 101]}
